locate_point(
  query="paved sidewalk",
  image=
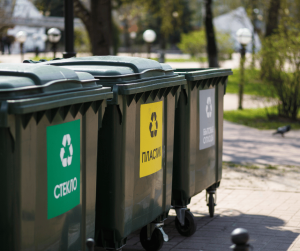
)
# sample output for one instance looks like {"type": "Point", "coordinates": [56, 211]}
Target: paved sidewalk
{"type": "Point", "coordinates": [272, 217]}
{"type": "Point", "coordinates": [249, 101]}
{"type": "Point", "coordinates": [249, 145]}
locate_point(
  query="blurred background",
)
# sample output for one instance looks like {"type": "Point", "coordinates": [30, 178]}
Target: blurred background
{"type": "Point", "coordinates": [258, 39]}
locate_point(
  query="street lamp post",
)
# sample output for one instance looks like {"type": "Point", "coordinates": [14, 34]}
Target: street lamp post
{"type": "Point", "coordinates": [69, 30]}
{"type": "Point", "coordinates": [149, 37]}
{"type": "Point", "coordinates": [132, 36]}
{"type": "Point", "coordinates": [21, 37]}
{"type": "Point", "coordinates": [54, 36]}
{"type": "Point", "coordinates": [244, 36]}
{"type": "Point", "coordinates": [36, 37]}
{"type": "Point", "coordinates": [44, 38]}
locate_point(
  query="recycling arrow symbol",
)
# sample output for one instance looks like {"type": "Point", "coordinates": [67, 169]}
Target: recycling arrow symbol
{"type": "Point", "coordinates": [68, 160]}
{"type": "Point", "coordinates": [208, 107]}
{"type": "Point", "coordinates": [153, 125]}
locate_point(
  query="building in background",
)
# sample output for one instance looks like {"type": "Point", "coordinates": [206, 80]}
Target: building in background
{"type": "Point", "coordinates": [25, 9]}
{"type": "Point", "coordinates": [231, 22]}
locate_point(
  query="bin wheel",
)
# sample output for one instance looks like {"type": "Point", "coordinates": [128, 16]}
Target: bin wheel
{"type": "Point", "coordinates": [190, 225]}
{"type": "Point", "coordinates": [156, 241]}
{"type": "Point", "coordinates": [211, 205]}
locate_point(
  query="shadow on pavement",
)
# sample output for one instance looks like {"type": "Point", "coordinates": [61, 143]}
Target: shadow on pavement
{"type": "Point", "coordinates": [266, 233]}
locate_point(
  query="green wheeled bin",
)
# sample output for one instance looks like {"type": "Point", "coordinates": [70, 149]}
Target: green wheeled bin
{"type": "Point", "coordinates": [198, 143]}
{"type": "Point", "coordinates": [48, 156]}
{"type": "Point", "coordinates": [134, 178]}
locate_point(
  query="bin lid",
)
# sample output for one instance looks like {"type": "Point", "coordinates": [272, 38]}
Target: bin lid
{"type": "Point", "coordinates": [37, 84]}
{"type": "Point", "coordinates": [112, 67]}
{"type": "Point", "coordinates": [129, 74]}
{"type": "Point", "coordinates": [195, 74]}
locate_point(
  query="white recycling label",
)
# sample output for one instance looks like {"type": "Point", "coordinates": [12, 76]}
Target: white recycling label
{"type": "Point", "coordinates": [68, 160]}
{"type": "Point", "coordinates": [207, 118]}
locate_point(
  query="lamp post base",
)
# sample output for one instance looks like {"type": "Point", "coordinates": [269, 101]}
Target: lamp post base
{"type": "Point", "coordinates": [22, 53]}
{"type": "Point", "coordinates": [69, 54]}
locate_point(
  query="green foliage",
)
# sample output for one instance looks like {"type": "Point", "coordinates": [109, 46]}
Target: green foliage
{"type": "Point", "coordinates": [260, 118]}
{"type": "Point", "coordinates": [194, 43]}
{"type": "Point", "coordinates": [50, 7]}
{"type": "Point", "coordinates": [168, 18]}
{"type": "Point", "coordinates": [253, 84]}
{"type": "Point", "coordinates": [163, 11]}
{"type": "Point", "coordinates": [225, 45]}
{"type": "Point", "coordinates": [281, 67]}
{"type": "Point", "coordinates": [81, 40]}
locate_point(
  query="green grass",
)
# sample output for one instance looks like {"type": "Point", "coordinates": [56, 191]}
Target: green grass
{"type": "Point", "coordinates": [253, 84]}
{"type": "Point", "coordinates": [230, 164]}
{"type": "Point", "coordinates": [250, 166]}
{"type": "Point", "coordinates": [271, 167]}
{"type": "Point", "coordinates": [38, 58]}
{"type": "Point", "coordinates": [237, 165]}
{"type": "Point", "coordinates": [258, 118]}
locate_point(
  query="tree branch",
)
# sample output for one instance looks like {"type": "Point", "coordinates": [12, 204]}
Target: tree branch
{"type": "Point", "coordinates": [82, 12]}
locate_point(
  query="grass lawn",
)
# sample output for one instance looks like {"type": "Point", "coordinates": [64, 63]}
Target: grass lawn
{"type": "Point", "coordinates": [38, 58]}
{"type": "Point", "coordinates": [253, 84]}
{"type": "Point", "coordinates": [258, 118]}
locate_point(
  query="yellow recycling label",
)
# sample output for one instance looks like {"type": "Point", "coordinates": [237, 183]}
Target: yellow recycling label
{"type": "Point", "coordinates": [151, 127]}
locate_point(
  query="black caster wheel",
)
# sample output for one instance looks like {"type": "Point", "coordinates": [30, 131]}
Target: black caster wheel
{"type": "Point", "coordinates": [190, 225]}
{"type": "Point", "coordinates": [156, 241]}
{"type": "Point", "coordinates": [211, 205]}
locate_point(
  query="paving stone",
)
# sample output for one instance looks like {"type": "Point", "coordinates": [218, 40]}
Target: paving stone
{"type": "Point", "coordinates": [271, 217]}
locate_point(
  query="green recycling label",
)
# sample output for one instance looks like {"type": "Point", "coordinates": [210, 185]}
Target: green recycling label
{"type": "Point", "coordinates": [63, 167]}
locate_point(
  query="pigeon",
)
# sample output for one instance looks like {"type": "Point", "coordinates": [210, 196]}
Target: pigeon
{"type": "Point", "coordinates": [282, 130]}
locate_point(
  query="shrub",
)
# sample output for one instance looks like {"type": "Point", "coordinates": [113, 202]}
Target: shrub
{"type": "Point", "coordinates": [281, 68]}
{"type": "Point", "coordinates": [194, 43]}
{"type": "Point", "coordinates": [81, 40]}
{"type": "Point", "coordinates": [225, 45]}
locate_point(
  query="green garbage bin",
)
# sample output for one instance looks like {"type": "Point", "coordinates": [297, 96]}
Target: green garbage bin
{"type": "Point", "coordinates": [48, 155]}
{"type": "Point", "coordinates": [134, 178]}
{"type": "Point", "coordinates": [198, 142]}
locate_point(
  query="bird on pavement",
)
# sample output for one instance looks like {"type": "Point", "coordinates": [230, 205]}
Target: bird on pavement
{"type": "Point", "coordinates": [282, 130]}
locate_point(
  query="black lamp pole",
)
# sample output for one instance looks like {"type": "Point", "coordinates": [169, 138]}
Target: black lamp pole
{"type": "Point", "coordinates": [69, 30]}
{"type": "Point", "coordinates": [242, 79]}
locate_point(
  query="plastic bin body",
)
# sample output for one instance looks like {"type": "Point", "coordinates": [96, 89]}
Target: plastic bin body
{"type": "Point", "coordinates": [39, 106]}
{"type": "Point", "coordinates": [198, 166]}
{"type": "Point", "coordinates": [127, 199]}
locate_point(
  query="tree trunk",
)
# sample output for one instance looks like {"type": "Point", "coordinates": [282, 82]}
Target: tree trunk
{"type": "Point", "coordinates": [84, 14]}
{"type": "Point", "coordinates": [271, 26]}
{"type": "Point", "coordinates": [102, 27]}
{"type": "Point", "coordinates": [6, 13]}
{"type": "Point", "coordinates": [273, 17]}
{"type": "Point", "coordinates": [253, 6]}
{"type": "Point", "coordinates": [126, 34]}
{"type": "Point", "coordinates": [212, 50]}
{"type": "Point", "coordinates": [98, 23]}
